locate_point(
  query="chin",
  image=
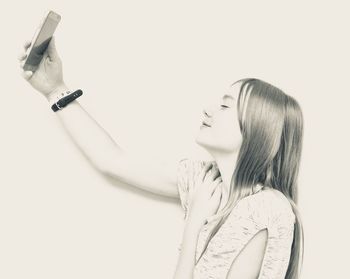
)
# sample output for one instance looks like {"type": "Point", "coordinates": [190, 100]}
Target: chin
{"type": "Point", "coordinates": [213, 148]}
{"type": "Point", "coordinates": [200, 140]}
{"type": "Point", "coordinates": [211, 144]}
{"type": "Point", "coordinates": [205, 143]}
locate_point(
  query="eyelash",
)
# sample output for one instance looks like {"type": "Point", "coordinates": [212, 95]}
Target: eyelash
{"type": "Point", "coordinates": [223, 106]}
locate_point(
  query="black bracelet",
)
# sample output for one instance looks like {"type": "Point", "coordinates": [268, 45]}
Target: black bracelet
{"type": "Point", "coordinates": [61, 103]}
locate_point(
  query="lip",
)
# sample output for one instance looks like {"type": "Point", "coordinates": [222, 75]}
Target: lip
{"type": "Point", "coordinates": [205, 124]}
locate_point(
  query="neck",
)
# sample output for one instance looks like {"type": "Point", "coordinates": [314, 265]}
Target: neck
{"type": "Point", "coordinates": [226, 164]}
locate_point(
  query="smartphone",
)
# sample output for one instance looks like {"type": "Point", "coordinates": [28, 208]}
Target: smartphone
{"type": "Point", "coordinates": [41, 40]}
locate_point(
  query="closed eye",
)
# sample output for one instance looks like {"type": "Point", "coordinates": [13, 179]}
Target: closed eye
{"type": "Point", "coordinates": [223, 106]}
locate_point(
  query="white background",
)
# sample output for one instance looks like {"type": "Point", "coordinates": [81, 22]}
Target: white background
{"type": "Point", "coordinates": [147, 69]}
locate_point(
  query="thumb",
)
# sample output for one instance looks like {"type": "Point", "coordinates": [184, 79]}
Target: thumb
{"type": "Point", "coordinates": [217, 192]}
{"type": "Point", "coordinates": [51, 50]}
{"type": "Point", "coordinates": [27, 74]}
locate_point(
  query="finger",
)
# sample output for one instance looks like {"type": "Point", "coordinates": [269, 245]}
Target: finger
{"type": "Point", "coordinates": [215, 174]}
{"type": "Point", "coordinates": [218, 179]}
{"type": "Point", "coordinates": [22, 56]}
{"type": "Point", "coordinates": [21, 64]}
{"type": "Point", "coordinates": [217, 184]}
{"type": "Point", "coordinates": [217, 194]}
{"type": "Point", "coordinates": [45, 56]}
{"type": "Point", "coordinates": [213, 184]}
{"type": "Point", "coordinates": [27, 44]}
{"type": "Point", "coordinates": [27, 74]}
{"type": "Point", "coordinates": [205, 169]}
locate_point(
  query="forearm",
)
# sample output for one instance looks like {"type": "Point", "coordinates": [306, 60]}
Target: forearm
{"type": "Point", "coordinates": [187, 257]}
{"type": "Point", "coordinates": [90, 138]}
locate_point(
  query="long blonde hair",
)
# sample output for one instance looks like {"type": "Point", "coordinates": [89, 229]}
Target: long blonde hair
{"type": "Point", "coordinates": [270, 154]}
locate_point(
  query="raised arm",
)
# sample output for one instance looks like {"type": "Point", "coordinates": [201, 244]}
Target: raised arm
{"type": "Point", "coordinates": [111, 160]}
{"type": "Point", "coordinates": [92, 140]}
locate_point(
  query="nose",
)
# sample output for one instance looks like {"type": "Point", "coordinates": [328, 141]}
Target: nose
{"type": "Point", "coordinates": [208, 111]}
{"type": "Point", "coordinates": [205, 113]}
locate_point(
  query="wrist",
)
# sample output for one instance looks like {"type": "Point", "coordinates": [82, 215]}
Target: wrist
{"type": "Point", "coordinates": [194, 224]}
{"type": "Point", "coordinates": [56, 94]}
{"type": "Point", "coordinates": [193, 219]}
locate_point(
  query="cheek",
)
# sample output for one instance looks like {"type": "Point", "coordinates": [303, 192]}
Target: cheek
{"type": "Point", "coordinates": [226, 132]}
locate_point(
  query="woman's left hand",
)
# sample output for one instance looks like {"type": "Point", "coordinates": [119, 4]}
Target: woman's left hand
{"type": "Point", "coordinates": [206, 196]}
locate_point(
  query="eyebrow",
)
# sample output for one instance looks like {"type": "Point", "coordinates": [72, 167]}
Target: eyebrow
{"type": "Point", "coordinates": [228, 96]}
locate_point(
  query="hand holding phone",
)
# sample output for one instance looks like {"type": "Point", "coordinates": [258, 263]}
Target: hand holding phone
{"type": "Point", "coordinates": [41, 40]}
{"type": "Point", "coordinates": [47, 76]}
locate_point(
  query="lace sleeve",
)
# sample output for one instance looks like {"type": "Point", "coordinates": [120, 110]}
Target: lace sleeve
{"type": "Point", "coordinates": [245, 220]}
{"type": "Point", "coordinates": [187, 171]}
{"type": "Point", "coordinates": [278, 250]}
{"type": "Point", "coordinates": [252, 214]}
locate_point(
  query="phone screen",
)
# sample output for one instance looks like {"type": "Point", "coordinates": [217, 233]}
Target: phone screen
{"type": "Point", "coordinates": [41, 41]}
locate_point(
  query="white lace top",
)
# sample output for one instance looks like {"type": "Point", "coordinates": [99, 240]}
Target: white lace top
{"type": "Point", "coordinates": [268, 208]}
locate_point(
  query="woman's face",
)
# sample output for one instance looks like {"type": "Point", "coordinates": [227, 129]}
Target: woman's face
{"type": "Point", "coordinates": [223, 133]}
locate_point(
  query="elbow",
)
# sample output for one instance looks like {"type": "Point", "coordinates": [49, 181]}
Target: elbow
{"type": "Point", "coordinates": [109, 166]}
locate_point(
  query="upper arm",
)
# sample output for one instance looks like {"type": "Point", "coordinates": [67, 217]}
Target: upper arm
{"type": "Point", "coordinates": [248, 263]}
{"type": "Point", "coordinates": [157, 176]}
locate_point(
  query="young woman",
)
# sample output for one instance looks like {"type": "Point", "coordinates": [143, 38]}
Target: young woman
{"type": "Point", "coordinates": [241, 218]}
